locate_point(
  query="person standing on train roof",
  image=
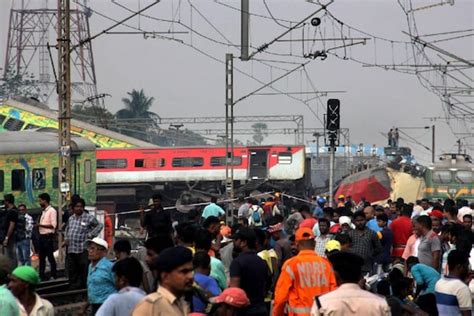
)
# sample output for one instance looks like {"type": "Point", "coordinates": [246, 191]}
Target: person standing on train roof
{"type": "Point", "coordinates": [157, 220]}
{"type": "Point", "coordinates": [212, 209]}
{"type": "Point", "coordinates": [47, 232]}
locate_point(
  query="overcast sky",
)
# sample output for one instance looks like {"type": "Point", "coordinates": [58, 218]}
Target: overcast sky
{"type": "Point", "coordinates": [186, 83]}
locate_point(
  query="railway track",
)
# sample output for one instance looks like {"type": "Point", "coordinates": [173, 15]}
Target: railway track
{"type": "Point", "coordinates": [66, 302]}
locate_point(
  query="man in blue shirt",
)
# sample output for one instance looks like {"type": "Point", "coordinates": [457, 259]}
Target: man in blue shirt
{"type": "Point", "coordinates": [424, 276]}
{"type": "Point", "coordinates": [206, 285]}
{"type": "Point", "coordinates": [100, 278]}
{"type": "Point", "coordinates": [371, 214]}
{"type": "Point", "coordinates": [212, 209]}
{"type": "Point", "coordinates": [128, 277]}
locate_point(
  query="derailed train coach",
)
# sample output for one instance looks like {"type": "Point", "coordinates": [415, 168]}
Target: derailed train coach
{"type": "Point", "coordinates": [128, 176]}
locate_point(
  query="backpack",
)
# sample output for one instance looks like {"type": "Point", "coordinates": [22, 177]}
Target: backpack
{"type": "Point", "coordinates": [256, 216]}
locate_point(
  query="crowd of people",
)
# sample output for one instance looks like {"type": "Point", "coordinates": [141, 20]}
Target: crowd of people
{"type": "Point", "coordinates": [303, 258]}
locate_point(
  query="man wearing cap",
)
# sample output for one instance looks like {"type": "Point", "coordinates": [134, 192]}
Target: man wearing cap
{"type": "Point", "coordinates": [436, 219]}
{"type": "Point", "coordinates": [23, 282]}
{"type": "Point", "coordinates": [249, 272]}
{"type": "Point", "coordinates": [302, 278]}
{"type": "Point", "coordinates": [341, 201]}
{"type": "Point", "coordinates": [175, 275]}
{"type": "Point", "coordinates": [230, 302]}
{"type": "Point", "coordinates": [100, 278]}
{"type": "Point", "coordinates": [282, 243]}
{"type": "Point", "coordinates": [332, 247]}
{"type": "Point", "coordinates": [81, 226]}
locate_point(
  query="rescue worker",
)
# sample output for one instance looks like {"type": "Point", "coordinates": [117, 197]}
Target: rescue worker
{"type": "Point", "coordinates": [302, 278]}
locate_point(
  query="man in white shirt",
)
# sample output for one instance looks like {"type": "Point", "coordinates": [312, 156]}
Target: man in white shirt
{"type": "Point", "coordinates": [23, 281]}
{"type": "Point", "coordinates": [349, 298]}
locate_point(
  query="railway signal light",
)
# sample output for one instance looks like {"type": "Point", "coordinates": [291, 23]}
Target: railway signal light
{"type": "Point", "coordinates": [333, 121]}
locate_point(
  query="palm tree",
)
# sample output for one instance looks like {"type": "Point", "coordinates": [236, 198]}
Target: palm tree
{"type": "Point", "coordinates": [136, 106]}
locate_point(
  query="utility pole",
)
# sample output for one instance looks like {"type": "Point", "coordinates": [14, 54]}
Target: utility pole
{"type": "Point", "coordinates": [244, 30]}
{"type": "Point", "coordinates": [64, 111]}
{"type": "Point", "coordinates": [433, 152]}
{"type": "Point", "coordinates": [229, 129]}
{"type": "Point", "coordinates": [176, 127]}
{"type": "Point", "coordinates": [317, 135]}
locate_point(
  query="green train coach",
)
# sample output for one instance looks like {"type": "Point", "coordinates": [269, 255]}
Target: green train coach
{"type": "Point", "coordinates": [29, 167]}
{"type": "Point", "coordinates": [452, 177]}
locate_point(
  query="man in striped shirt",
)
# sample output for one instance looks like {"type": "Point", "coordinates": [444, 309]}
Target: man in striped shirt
{"type": "Point", "coordinates": [453, 296]}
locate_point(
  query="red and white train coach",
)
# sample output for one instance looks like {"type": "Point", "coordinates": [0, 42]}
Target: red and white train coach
{"type": "Point", "coordinates": [202, 168]}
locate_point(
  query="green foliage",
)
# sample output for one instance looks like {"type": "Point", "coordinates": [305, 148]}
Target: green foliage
{"type": "Point", "coordinates": [136, 106]}
{"type": "Point", "coordinates": [14, 84]}
{"type": "Point", "coordinates": [260, 132]}
{"type": "Point", "coordinates": [83, 112]}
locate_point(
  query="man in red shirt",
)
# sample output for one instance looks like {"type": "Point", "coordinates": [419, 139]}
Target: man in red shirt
{"type": "Point", "coordinates": [402, 229]}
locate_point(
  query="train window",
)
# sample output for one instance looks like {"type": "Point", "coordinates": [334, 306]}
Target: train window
{"type": "Point", "coordinates": [1, 180]}
{"type": "Point", "coordinates": [220, 161]}
{"type": "Point", "coordinates": [18, 180]}
{"type": "Point", "coordinates": [442, 176]}
{"type": "Point", "coordinates": [161, 162]}
{"type": "Point", "coordinates": [188, 162]}
{"type": "Point", "coordinates": [285, 158]}
{"type": "Point", "coordinates": [31, 126]}
{"type": "Point", "coordinates": [55, 178]}
{"type": "Point", "coordinates": [111, 163]}
{"type": "Point", "coordinates": [464, 176]}
{"type": "Point", "coordinates": [139, 163]}
{"type": "Point", "coordinates": [87, 171]}
{"type": "Point", "coordinates": [39, 178]}
{"type": "Point", "coordinates": [12, 124]}
{"type": "Point", "coordinates": [154, 163]}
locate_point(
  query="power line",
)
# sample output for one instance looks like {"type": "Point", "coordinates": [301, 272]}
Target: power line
{"type": "Point", "coordinates": [82, 42]}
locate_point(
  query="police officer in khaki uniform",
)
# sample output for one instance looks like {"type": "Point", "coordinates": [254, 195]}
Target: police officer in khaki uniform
{"type": "Point", "coordinates": [175, 276]}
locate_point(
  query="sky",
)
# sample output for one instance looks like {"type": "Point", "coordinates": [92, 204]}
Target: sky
{"type": "Point", "coordinates": [186, 83]}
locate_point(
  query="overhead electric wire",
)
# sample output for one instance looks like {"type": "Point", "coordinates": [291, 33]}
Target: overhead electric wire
{"type": "Point", "coordinates": [252, 13]}
{"type": "Point", "coordinates": [118, 23]}
{"type": "Point", "coordinates": [273, 17]}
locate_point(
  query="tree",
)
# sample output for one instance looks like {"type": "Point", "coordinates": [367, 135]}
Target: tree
{"type": "Point", "coordinates": [19, 85]}
{"type": "Point", "coordinates": [259, 132]}
{"type": "Point", "coordinates": [84, 112]}
{"type": "Point", "coordinates": [136, 106]}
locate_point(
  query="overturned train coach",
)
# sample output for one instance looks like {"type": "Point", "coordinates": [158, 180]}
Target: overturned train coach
{"type": "Point", "coordinates": [130, 176]}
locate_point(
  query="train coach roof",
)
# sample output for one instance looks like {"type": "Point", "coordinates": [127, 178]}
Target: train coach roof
{"type": "Point", "coordinates": [38, 142]}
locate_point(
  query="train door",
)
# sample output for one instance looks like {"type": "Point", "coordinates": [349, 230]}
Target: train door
{"type": "Point", "coordinates": [258, 163]}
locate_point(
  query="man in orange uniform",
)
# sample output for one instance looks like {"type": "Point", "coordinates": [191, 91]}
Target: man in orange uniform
{"type": "Point", "coordinates": [302, 278]}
